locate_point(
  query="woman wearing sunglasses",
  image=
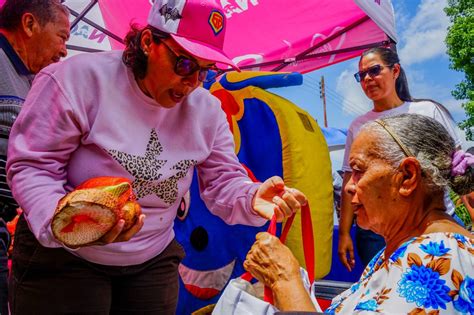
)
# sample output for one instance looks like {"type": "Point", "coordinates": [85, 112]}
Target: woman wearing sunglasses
{"type": "Point", "coordinates": [383, 80]}
{"type": "Point", "coordinates": [138, 114]}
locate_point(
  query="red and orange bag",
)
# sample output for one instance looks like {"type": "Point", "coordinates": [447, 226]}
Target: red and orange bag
{"type": "Point", "coordinates": [91, 210]}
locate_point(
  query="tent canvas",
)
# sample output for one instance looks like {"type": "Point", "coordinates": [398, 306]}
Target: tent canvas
{"type": "Point", "coordinates": [274, 35]}
{"type": "Point", "coordinates": [297, 35]}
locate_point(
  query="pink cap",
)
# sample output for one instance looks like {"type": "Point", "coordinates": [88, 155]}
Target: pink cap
{"type": "Point", "coordinates": [196, 25]}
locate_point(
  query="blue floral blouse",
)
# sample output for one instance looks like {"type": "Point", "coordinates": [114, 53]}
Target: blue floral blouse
{"type": "Point", "coordinates": [429, 274]}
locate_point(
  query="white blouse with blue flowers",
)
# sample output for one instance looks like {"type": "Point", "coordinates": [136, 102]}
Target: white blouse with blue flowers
{"type": "Point", "coordinates": [429, 274]}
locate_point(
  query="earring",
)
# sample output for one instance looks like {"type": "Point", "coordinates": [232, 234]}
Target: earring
{"type": "Point", "coordinates": [145, 53]}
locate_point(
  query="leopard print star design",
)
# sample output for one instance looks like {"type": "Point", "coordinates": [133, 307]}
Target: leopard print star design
{"type": "Point", "coordinates": [146, 171]}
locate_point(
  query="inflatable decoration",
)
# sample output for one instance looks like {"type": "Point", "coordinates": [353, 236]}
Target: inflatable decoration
{"type": "Point", "coordinates": [272, 137]}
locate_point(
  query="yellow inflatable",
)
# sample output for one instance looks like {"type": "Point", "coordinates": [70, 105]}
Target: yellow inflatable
{"type": "Point", "coordinates": [257, 116]}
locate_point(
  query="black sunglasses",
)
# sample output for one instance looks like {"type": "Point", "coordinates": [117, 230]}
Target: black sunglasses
{"type": "Point", "coordinates": [186, 66]}
{"type": "Point", "coordinates": [372, 72]}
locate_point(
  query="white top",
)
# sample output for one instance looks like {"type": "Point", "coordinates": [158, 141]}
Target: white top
{"type": "Point", "coordinates": [425, 108]}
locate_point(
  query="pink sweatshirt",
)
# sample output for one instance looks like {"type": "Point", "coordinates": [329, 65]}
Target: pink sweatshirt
{"type": "Point", "coordinates": [87, 117]}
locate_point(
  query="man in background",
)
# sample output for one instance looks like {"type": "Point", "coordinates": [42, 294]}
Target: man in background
{"type": "Point", "coordinates": [33, 34]}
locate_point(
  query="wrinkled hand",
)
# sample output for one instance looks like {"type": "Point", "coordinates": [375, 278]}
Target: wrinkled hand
{"type": "Point", "coordinates": [274, 197]}
{"type": "Point", "coordinates": [116, 235]}
{"type": "Point", "coordinates": [345, 248]}
{"type": "Point", "coordinates": [271, 262]}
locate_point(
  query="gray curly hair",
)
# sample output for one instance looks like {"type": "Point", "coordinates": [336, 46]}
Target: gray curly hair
{"type": "Point", "coordinates": [429, 142]}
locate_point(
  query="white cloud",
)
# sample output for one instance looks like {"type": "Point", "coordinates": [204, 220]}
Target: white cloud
{"type": "Point", "coordinates": [355, 101]}
{"type": "Point", "coordinates": [422, 87]}
{"type": "Point", "coordinates": [454, 106]}
{"type": "Point", "coordinates": [423, 37]}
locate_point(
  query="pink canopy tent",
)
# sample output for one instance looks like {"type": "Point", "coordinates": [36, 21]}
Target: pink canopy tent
{"type": "Point", "coordinates": [297, 35]}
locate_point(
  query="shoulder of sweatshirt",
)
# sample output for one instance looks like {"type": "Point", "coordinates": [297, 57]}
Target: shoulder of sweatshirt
{"type": "Point", "coordinates": [85, 77]}
{"type": "Point", "coordinates": [202, 101]}
{"type": "Point", "coordinates": [86, 66]}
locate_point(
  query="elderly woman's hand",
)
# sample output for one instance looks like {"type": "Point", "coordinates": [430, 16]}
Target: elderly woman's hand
{"type": "Point", "coordinates": [274, 197]}
{"type": "Point", "coordinates": [271, 262]}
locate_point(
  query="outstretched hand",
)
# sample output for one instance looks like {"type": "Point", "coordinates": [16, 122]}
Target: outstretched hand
{"type": "Point", "coordinates": [273, 197]}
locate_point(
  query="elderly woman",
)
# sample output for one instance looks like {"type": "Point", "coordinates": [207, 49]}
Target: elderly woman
{"type": "Point", "coordinates": [400, 168]}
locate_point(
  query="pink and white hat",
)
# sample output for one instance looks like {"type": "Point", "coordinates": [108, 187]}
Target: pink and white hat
{"type": "Point", "coordinates": [196, 25]}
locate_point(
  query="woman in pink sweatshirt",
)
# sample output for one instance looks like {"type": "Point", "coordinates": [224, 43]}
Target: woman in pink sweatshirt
{"type": "Point", "coordinates": [138, 114]}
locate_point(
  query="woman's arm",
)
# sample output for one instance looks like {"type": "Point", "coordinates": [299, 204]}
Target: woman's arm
{"type": "Point", "coordinates": [41, 141]}
{"type": "Point", "coordinates": [345, 246]}
{"type": "Point", "coordinates": [230, 194]}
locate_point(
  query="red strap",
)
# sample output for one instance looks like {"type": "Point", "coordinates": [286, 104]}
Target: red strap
{"type": "Point", "coordinates": [308, 245]}
{"type": "Point", "coordinates": [308, 241]}
{"type": "Point", "coordinates": [267, 292]}
{"type": "Point", "coordinates": [286, 228]}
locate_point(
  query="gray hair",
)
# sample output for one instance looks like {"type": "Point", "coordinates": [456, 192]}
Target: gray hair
{"type": "Point", "coordinates": [44, 10]}
{"type": "Point", "coordinates": [431, 145]}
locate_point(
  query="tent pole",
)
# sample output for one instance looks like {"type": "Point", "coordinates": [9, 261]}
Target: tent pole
{"type": "Point", "coordinates": [322, 54]}
{"type": "Point", "coordinates": [325, 41]}
{"type": "Point", "coordinates": [83, 13]}
{"type": "Point", "coordinates": [98, 27]}
{"type": "Point", "coordinates": [84, 49]}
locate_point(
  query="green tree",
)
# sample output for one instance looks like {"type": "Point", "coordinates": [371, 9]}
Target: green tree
{"type": "Point", "coordinates": [460, 44]}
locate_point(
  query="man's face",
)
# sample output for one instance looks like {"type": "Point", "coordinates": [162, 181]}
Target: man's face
{"type": "Point", "coordinates": [48, 43]}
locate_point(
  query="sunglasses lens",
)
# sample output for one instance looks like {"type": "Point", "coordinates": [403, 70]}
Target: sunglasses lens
{"type": "Point", "coordinates": [185, 66]}
{"type": "Point", "coordinates": [374, 71]}
{"type": "Point", "coordinates": [358, 76]}
{"type": "Point", "coordinates": [203, 74]}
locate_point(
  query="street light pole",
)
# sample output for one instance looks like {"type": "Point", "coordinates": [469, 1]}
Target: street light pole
{"type": "Point", "coordinates": [322, 95]}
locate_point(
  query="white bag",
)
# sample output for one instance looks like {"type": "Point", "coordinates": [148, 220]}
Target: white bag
{"type": "Point", "coordinates": [240, 297]}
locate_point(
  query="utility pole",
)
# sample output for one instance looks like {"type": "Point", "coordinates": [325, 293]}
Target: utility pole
{"type": "Point", "coordinates": [322, 95]}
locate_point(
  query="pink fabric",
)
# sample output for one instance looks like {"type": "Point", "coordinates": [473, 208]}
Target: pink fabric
{"type": "Point", "coordinates": [268, 30]}
{"type": "Point", "coordinates": [126, 134]}
{"type": "Point", "coordinates": [461, 162]}
{"type": "Point", "coordinates": [198, 26]}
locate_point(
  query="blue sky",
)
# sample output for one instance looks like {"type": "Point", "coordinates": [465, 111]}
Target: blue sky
{"type": "Point", "coordinates": [421, 27]}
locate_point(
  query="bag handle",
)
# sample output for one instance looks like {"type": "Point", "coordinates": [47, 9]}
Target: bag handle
{"type": "Point", "coordinates": [308, 245]}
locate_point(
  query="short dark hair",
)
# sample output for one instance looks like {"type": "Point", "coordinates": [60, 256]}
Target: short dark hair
{"type": "Point", "coordinates": [133, 55]}
{"type": "Point", "coordinates": [44, 10]}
